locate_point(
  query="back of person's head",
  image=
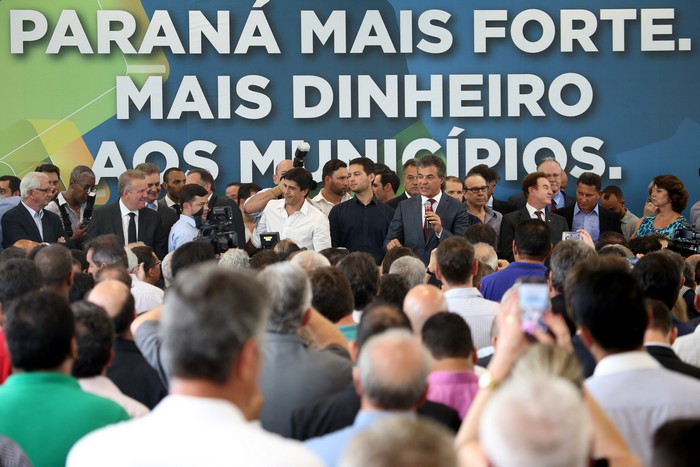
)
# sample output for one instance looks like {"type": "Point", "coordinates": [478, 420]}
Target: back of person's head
{"type": "Point", "coordinates": [604, 296]}
{"type": "Point", "coordinates": [285, 248]}
{"type": "Point", "coordinates": [447, 335]}
{"type": "Point", "coordinates": [94, 332]}
{"type": "Point", "coordinates": [543, 361]}
{"type": "Point", "coordinates": [12, 253]}
{"type": "Point", "coordinates": [486, 254]}
{"type": "Point", "coordinates": [310, 260]}
{"type": "Point", "coordinates": [190, 254]}
{"type": "Point", "coordinates": [410, 267]}
{"type": "Point", "coordinates": [610, 237]}
{"type": "Point", "coordinates": [56, 264]}
{"type": "Point", "coordinates": [116, 299]}
{"type": "Point", "coordinates": [115, 272]}
{"type": "Point", "coordinates": [331, 293]}
{"type": "Point", "coordinates": [644, 245]}
{"type": "Point", "coordinates": [455, 258]}
{"type": "Point", "coordinates": [334, 255]}
{"type": "Point", "coordinates": [481, 233]}
{"type": "Point", "coordinates": [660, 316]}
{"type": "Point", "coordinates": [689, 270]}
{"type": "Point", "coordinates": [674, 444]}
{"type": "Point", "coordinates": [394, 254]}
{"type": "Point", "coordinates": [660, 277]}
{"type": "Point", "coordinates": [166, 269]}
{"type": "Point", "coordinates": [82, 284]}
{"type": "Point", "coordinates": [378, 318]}
{"type": "Point", "coordinates": [393, 368]}
{"type": "Point", "coordinates": [209, 314]}
{"type": "Point", "coordinates": [263, 259]}
{"type": "Point", "coordinates": [616, 250]}
{"type": "Point", "coordinates": [532, 238]}
{"type": "Point", "coordinates": [392, 290]}
{"type": "Point", "coordinates": [288, 288]}
{"type": "Point", "coordinates": [522, 424]}
{"type": "Point", "coordinates": [144, 254]}
{"type": "Point", "coordinates": [565, 255]}
{"type": "Point", "coordinates": [235, 259]}
{"type": "Point", "coordinates": [79, 256]}
{"type": "Point", "coordinates": [400, 441]}
{"type": "Point", "coordinates": [363, 274]}
{"type": "Point", "coordinates": [107, 250]}
{"type": "Point", "coordinates": [39, 328]}
{"type": "Point", "coordinates": [422, 302]}
{"type": "Point", "coordinates": [17, 277]}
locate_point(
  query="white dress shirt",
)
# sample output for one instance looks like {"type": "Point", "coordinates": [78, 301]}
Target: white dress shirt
{"type": "Point", "coordinates": [308, 227]}
{"type": "Point", "coordinates": [104, 387]}
{"type": "Point", "coordinates": [477, 311]}
{"type": "Point", "coordinates": [125, 221]}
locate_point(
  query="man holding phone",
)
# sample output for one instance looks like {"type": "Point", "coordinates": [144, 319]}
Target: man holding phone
{"type": "Point", "coordinates": [71, 205]}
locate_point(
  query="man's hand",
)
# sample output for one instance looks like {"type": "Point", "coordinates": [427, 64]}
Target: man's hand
{"type": "Point", "coordinates": [393, 244]}
{"type": "Point", "coordinates": [435, 221]}
{"type": "Point", "coordinates": [79, 233]}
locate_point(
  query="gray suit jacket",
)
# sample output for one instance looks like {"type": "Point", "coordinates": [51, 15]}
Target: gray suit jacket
{"type": "Point", "coordinates": [557, 225]}
{"type": "Point", "coordinates": [108, 220]}
{"type": "Point", "coordinates": [407, 224]}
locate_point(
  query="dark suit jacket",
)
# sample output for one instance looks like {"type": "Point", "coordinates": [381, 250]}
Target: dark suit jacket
{"type": "Point", "coordinates": [168, 217]}
{"type": "Point", "coordinates": [238, 225]}
{"type": "Point", "coordinates": [557, 225]}
{"type": "Point", "coordinates": [17, 224]}
{"type": "Point", "coordinates": [395, 201]}
{"type": "Point", "coordinates": [407, 224]}
{"type": "Point", "coordinates": [504, 207]}
{"type": "Point", "coordinates": [608, 219]}
{"type": "Point", "coordinates": [133, 375]}
{"type": "Point", "coordinates": [518, 201]}
{"type": "Point", "coordinates": [108, 220]}
{"type": "Point", "coordinates": [668, 359]}
{"type": "Point", "coordinates": [339, 410]}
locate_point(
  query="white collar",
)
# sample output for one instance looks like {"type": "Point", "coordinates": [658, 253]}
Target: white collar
{"type": "Point", "coordinates": [625, 361]}
{"type": "Point", "coordinates": [437, 198]}
{"type": "Point", "coordinates": [124, 210]}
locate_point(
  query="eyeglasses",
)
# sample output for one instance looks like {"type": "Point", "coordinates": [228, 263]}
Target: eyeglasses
{"type": "Point", "coordinates": [478, 189]}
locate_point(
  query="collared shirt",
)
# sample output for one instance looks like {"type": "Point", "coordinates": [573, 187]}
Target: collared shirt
{"type": "Point", "coordinates": [532, 211]}
{"type": "Point", "coordinates": [628, 224]}
{"type": "Point", "coordinates": [589, 222]}
{"type": "Point", "coordinates": [688, 347]}
{"type": "Point", "coordinates": [146, 296]}
{"type": "Point", "coordinates": [169, 202]}
{"type": "Point", "coordinates": [331, 446]}
{"type": "Point", "coordinates": [183, 231]}
{"type": "Point", "coordinates": [361, 228]}
{"type": "Point", "coordinates": [125, 221]}
{"type": "Point", "coordinates": [424, 199]}
{"type": "Point", "coordinates": [36, 217]}
{"type": "Point", "coordinates": [74, 219]}
{"type": "Point", "coordinates": [493, 219]}
{"type": "Point", "coordinates": [639, 396]}
{"type": "Point", "coordinates": [324, 205]}
{"type": "Point", "coordinates": [478, 312]}
{"type": "Point", "coordinates": [455, 389]}
{"type": "Point", "coordinates": [104, 387]}
{"type": "Point", "coordinates": [494, 285]}
{"type": "Point", "coordinates": [308, 227]}
{"type": "Point", "coordinates": [559, 200]}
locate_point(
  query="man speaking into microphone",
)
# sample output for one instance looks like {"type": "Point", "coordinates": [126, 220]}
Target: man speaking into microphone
{"type": "Point", "coordinates": [421, 223]}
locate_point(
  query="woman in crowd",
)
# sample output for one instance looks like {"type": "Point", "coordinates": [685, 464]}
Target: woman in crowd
{"type": "Point", "coordinates": [669, 197]}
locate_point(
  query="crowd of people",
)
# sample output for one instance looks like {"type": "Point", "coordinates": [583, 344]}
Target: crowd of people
{"type": "Point", "coordinates": [363, 326]}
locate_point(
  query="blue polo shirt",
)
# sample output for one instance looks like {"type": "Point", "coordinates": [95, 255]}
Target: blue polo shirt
{"type": "Point", "coordinates": [495, 285]}
{"type": "Point", "coordinates": [361, 228]}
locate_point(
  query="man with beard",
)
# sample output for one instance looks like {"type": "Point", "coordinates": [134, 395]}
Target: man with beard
{"type": "Point", "coordinates": [193, 200]}
{"type": "Point", "coordinates": [361, 223]}
{"type": "Point", "coordinates": [335, 186]}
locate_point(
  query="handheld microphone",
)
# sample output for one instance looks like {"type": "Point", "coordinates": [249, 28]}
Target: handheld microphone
{"type": "Point", "coordinates": [428, 208]}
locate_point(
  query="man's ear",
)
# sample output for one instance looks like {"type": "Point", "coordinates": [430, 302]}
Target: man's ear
{"type": "Point", "coordinates": [356, 380]}
{"type": "Point", "coordinates": [586, 337]}
{"type": "Point", "coordinates": [354, 350]}
{"type": "Point", "coordinates": [475, 267]}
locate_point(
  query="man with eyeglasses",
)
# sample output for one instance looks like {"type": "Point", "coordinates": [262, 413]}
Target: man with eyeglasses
{"type": "Point", "coordinates": [554, 173]}
{"type": "Point", "coordinates": [29, 220]}
{"type": "Point", "coordinates": [422, 222]}
{"type": "Point", "coordinates": [70, 205]}
{"type": "Point", "coordinates": [54, 173]}
{"type": "Point", "coordinates": [476, 192]}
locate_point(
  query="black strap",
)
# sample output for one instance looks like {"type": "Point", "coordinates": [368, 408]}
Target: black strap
{"type": "Point", "coordinates": [65, 218]}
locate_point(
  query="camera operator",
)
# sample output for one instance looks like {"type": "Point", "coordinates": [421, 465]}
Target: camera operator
{"type": "Point", "coordinates": [72, 205]}
{"type": "Point", "coordinates": [193, 200]}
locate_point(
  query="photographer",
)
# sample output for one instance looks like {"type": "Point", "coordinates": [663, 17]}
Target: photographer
{"type": "Point", "coordinates": [73, 206]}
{"type": "Point", "coordinates": [193, 200]}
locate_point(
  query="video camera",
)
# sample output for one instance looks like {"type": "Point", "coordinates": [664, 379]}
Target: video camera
{"type": "Point", "coordinates": [686, 242]}
{"type": "Point", "coordinates": [218, 229]}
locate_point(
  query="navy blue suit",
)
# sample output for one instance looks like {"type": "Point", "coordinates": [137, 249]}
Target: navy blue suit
{"type": "Point", "coordinates": [18, 224]}
{"type": "Point", "coordinates": [108, 220]}
{"type": "Point", "coordinates": [407, 224]}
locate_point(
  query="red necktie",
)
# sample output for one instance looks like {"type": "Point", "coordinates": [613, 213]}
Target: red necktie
{"type": "Point", "coordinates": [553, 207]}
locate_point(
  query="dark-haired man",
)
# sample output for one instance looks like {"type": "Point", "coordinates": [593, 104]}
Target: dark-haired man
{"type": "Point", "coordinates": [422, 222]}
{"type": "Point", "coordinates": [292, 217]}
{"type": "Point", "coordinates": [613, 200]}
{"type": "Point", "coordinates": [410, 183]}
{"type": "Point", "coordinates": [531, 247]}
{"type": "Point", "coordinates": [361, 223]}
{"type": "Point", "coordinates": [607, 302]}
{"type": "Point", "coordinates": [193, 203]}
{"type": "Point", "coordinates": [9, 186]}
{"type": "Point", "coordinates": [53, 172]}
{"type": "Point", "coordinates": [538, 195]}
{"type": "Point", "coordinates": [173, 181]}
{"type": "Point", "coordinates": [335, 186]}
{"type": "Point", "coordinates": [42, 407]}
{"type": "Point", "coordinates": [386, 183]}
{"type": "Point", "coordinates": [585, 213]}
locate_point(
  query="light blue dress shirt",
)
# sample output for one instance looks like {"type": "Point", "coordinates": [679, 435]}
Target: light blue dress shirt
{"type": "Point", "coordinates": [183, 231]}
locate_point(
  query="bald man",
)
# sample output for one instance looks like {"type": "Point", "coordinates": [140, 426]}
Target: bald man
{"type": "Point", "coordinates": [422, 302]}
{"type": "Point", "coordinates": [128, 370]}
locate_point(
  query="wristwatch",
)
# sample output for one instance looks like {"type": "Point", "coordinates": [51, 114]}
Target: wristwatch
{"type": "Point", "coordinates": [487, 381]}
